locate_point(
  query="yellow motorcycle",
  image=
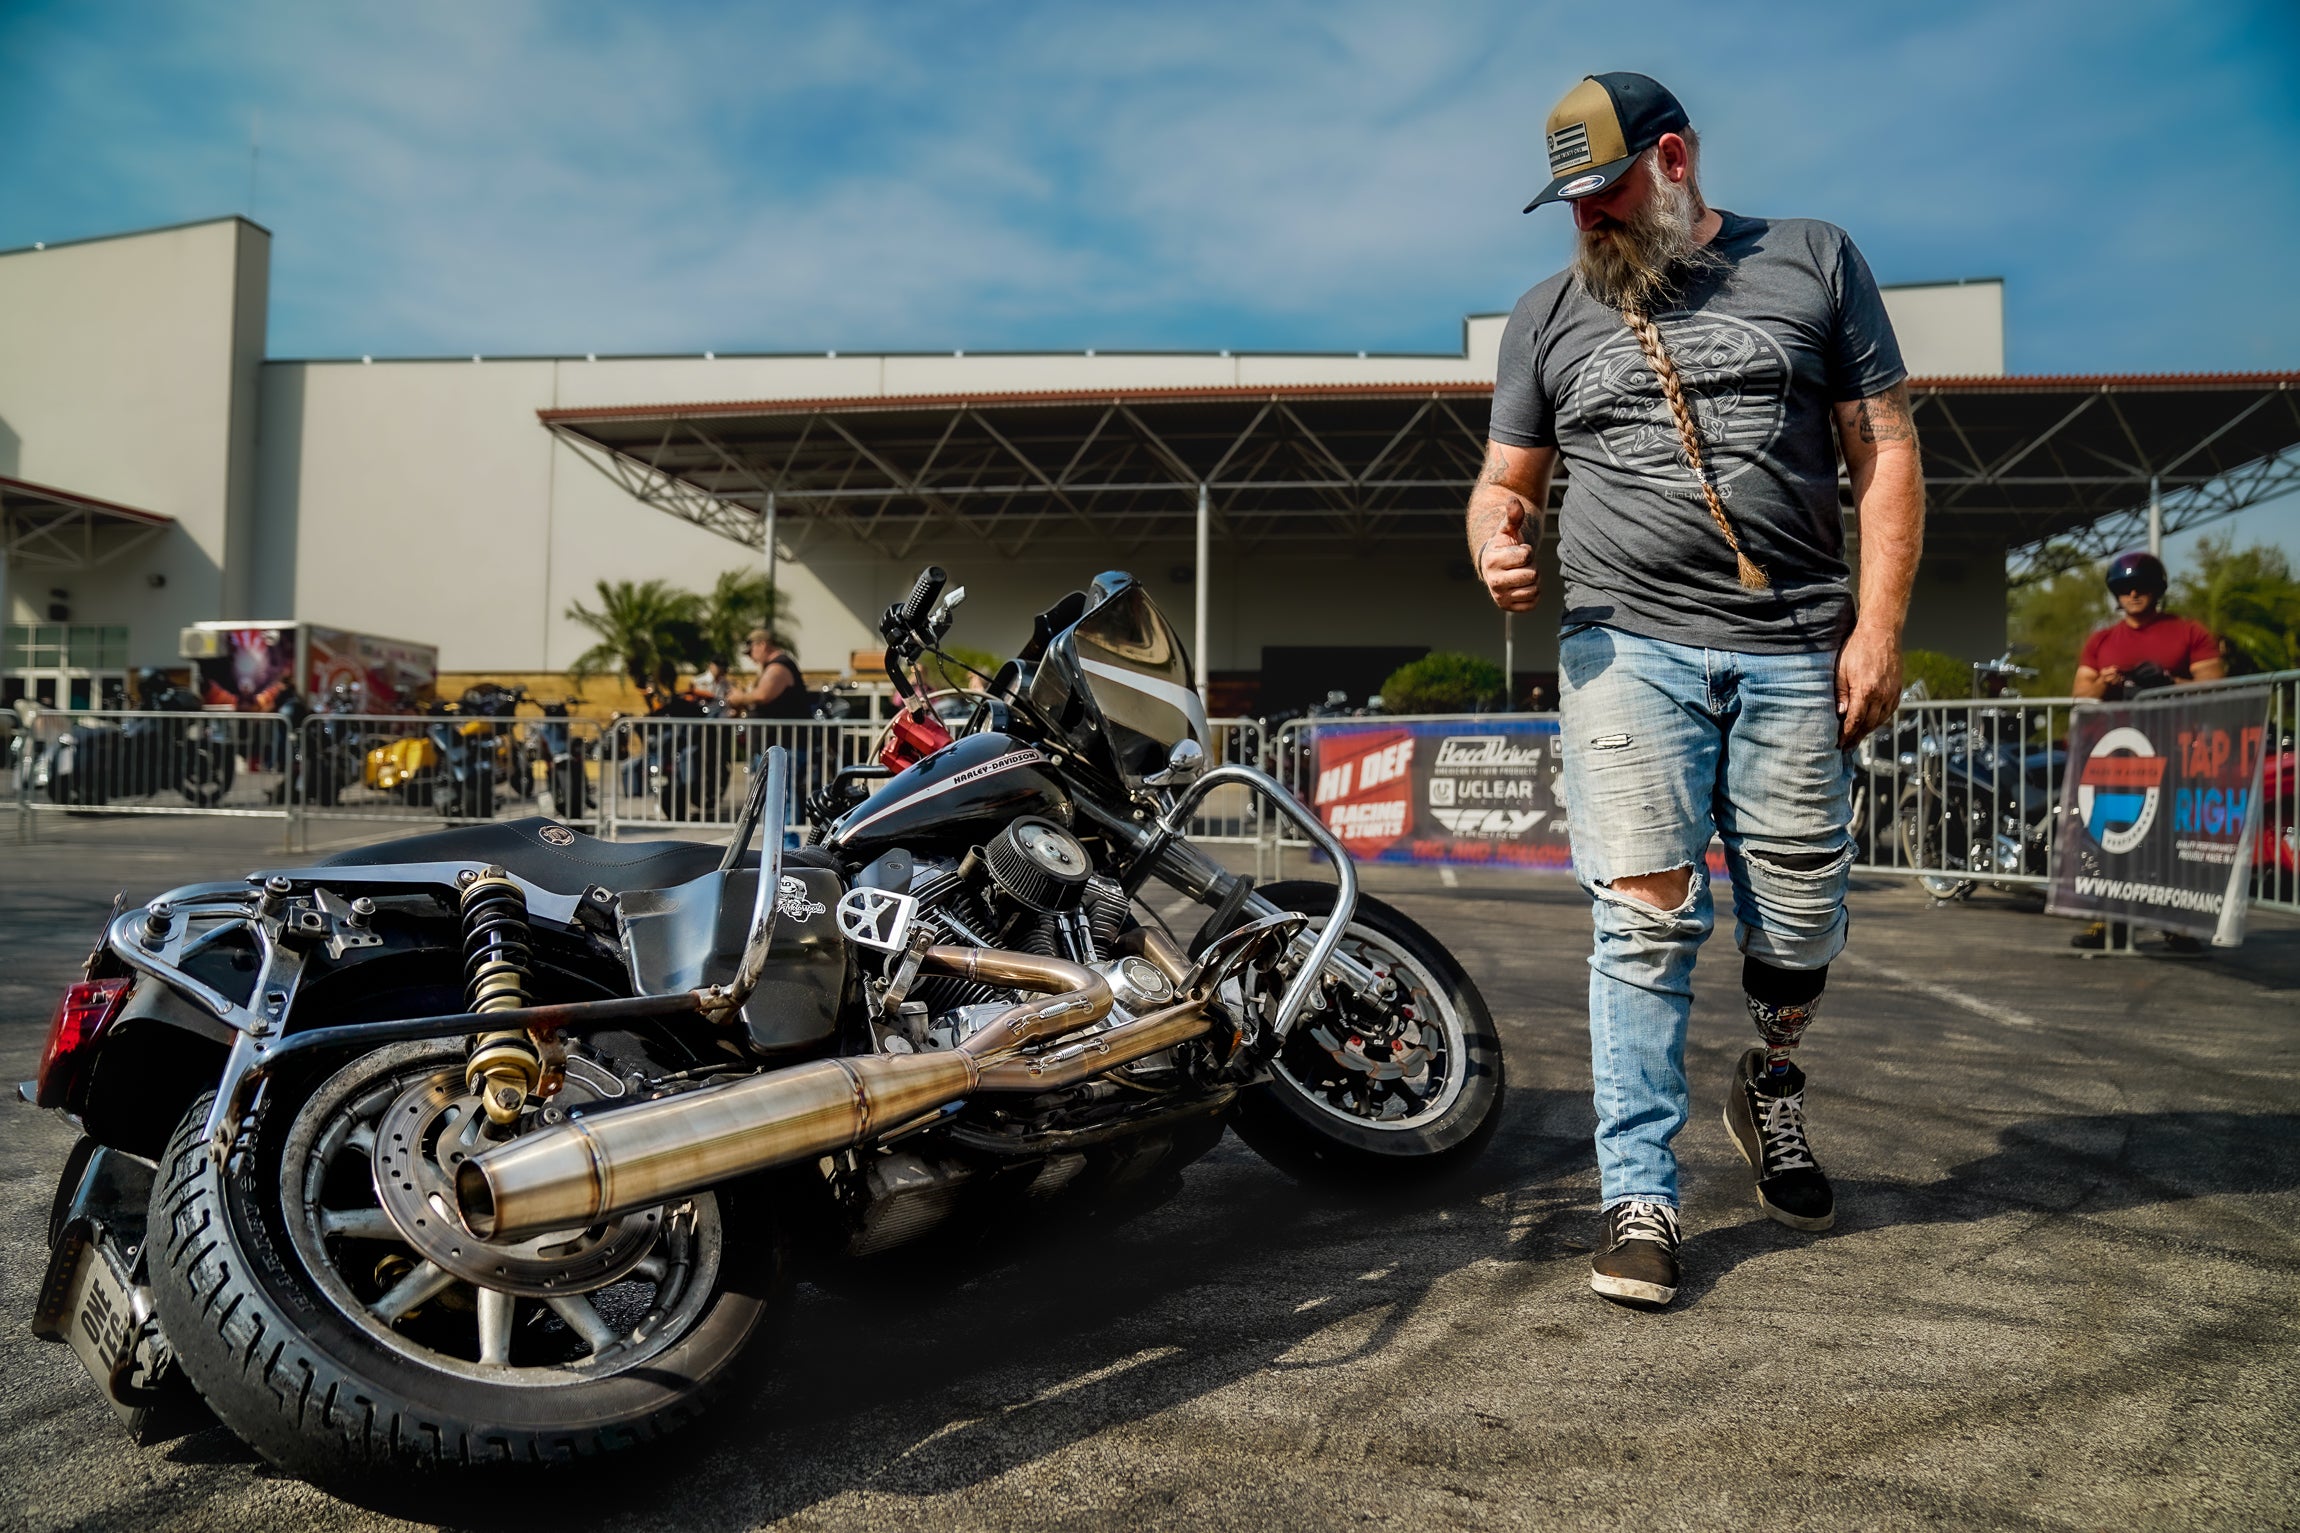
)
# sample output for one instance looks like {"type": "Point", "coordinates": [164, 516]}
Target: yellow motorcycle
{"type": "Point", "coordinates": [458, 759]}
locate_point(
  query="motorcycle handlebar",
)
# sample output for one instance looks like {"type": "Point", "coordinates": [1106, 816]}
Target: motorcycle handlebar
{"type": "Point", "coordinates": [916, 605]}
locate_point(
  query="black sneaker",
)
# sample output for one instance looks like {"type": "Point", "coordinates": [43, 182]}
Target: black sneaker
{"type": "Point", "coordinates": [1765, 1114]}
{"type": "Point", "coordinates": [1637, 1264]}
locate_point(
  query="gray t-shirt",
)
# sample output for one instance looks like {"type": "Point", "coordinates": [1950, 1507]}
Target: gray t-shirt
{"type": "Point", "coordinates": [1790, 325]}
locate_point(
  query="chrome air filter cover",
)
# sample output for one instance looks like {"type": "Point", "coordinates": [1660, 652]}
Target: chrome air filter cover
{"type": "Point", "coordinates": [1038, 865]}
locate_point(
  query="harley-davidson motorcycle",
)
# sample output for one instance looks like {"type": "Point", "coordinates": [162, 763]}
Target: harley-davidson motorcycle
{"type": "Point", "coordinates": [498, 1144]}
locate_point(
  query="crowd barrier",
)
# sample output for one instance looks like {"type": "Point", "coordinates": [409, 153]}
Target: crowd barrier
{"type": "Point", "coordinates": [1955, 794]}
{"type": "Point", "coordinates": [427, 770]}
{"type": "Point", "coordinates": [133, 761]}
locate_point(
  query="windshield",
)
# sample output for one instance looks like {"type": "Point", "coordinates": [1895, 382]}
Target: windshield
{"type": "Point", "coordinates": [1130, 665]}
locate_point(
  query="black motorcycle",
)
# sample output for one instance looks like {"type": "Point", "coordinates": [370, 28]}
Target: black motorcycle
{"type": "Point", "coordinates": [1975, 793]}
{"type": "Point", "coordinates": [496, 1145]}
{"type": "Point", "coordinates": [566, 791]}
{"type": "Point", "coordinates": [685, 770]}
{"type": "Point", "coordinates": [101, 761]}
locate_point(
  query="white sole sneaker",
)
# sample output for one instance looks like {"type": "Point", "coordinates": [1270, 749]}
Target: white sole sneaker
{"type": "Point", "coordinates": [1630, 1289]}
{"type": "Point", "coordinates": [1809, 1225]}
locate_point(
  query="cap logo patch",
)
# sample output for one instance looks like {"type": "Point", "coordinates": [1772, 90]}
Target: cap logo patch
{"type": "Point", "coordinates": [1568, 147]}
{"type": "Point", "coordinates": [1581, 186]}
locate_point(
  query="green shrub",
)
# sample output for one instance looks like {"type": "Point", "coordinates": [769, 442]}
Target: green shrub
{"type": "Point", "coordinates": [1943, 675]}
{"type": "Point", "coordinates": [1445, 683]}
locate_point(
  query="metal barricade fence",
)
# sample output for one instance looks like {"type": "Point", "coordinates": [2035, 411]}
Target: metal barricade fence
{"type": "Point", "coordinates": [1233, 813]}
{"type": "Point", "coordinates": [659, 772]}
{"type": "Point", "coordinates": [1962, 791]}
{"type": "Point", "coordinates": [432, 769]}
{"type": "Point", "coordinates": [137, 761]}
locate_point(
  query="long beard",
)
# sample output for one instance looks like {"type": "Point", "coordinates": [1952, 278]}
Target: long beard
{"type": "Point", "coordinates": [1631, 265]}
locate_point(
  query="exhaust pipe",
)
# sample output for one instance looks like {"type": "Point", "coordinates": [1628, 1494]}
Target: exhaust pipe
{"type": "Point", "coordinates": [588, 1169]}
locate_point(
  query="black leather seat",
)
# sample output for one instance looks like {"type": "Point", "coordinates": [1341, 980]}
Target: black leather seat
{"type": "Point", "coordinates": [550, 855]}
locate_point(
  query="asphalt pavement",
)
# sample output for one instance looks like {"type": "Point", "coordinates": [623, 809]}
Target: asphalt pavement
{"type": "Point", "coordinates": [2063, 1290]}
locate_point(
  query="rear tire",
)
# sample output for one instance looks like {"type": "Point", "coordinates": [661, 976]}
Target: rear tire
{"type": "Point", "coordinates": [1312, 1139]}
{"type": "Point", "coordinates": [318, 1394]}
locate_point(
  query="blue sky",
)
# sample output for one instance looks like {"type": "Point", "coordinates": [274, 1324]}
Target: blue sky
{"type": "Point", "coordinates": [675, 177]}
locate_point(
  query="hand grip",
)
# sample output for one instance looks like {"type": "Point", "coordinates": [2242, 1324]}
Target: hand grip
{"type": "Point", "coordinates": [922, 595]}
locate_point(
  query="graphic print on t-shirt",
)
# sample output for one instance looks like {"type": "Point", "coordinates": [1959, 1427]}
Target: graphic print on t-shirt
{"type": "Point", "coordinates": [1734, 375]}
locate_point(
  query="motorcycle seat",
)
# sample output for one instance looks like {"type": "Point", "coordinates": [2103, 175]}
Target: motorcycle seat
{"type": "Point", "coordinates": [567, 863]}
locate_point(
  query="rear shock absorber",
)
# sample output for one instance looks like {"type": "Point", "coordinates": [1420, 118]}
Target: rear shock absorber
{"type": "Point", "coordinates": [505, 1068]}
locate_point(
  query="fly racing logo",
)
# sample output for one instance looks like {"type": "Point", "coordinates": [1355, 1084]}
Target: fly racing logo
{"type": "Point", "coordinates": [1489, 822]}
{"type": "Point", "coordinates": [1568, 147]}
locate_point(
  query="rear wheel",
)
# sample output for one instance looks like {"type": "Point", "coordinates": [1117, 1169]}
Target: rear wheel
{"type": "Point", "coordinates": [340, 1348]}
{"type": "Point", "coordinates": [1921, 820]}
{"type": "Point", "coordinates": [1402, 1084]}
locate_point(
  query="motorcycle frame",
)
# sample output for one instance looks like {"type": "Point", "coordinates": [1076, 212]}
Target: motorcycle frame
{"type": "Point", "coordinates": [156, 941]}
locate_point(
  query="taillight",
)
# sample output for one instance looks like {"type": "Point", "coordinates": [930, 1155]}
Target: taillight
{"type": "Point", "coordinates": [81, 1017]}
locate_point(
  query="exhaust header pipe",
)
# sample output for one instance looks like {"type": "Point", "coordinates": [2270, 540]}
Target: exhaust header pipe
{"type": "Point", "coordinates": [591, 1168]}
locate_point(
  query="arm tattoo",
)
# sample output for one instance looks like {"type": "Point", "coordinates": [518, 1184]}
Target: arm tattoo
{"type": "Point", "coordinates": [1496, 466]}
{"type": "Point", "coordinates": [1885, 417]}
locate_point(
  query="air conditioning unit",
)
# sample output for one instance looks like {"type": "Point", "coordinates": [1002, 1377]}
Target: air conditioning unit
{"type": "Point", "coordinates": [200, 644]}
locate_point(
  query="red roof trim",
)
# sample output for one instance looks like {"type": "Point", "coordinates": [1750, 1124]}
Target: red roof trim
{"type": "Point", "coordinates": [10, 488]}
{"type": "Point", "coordinates": [2044, 383]}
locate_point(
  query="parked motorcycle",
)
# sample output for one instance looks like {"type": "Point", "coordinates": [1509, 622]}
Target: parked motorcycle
{"type": "Point", "coordinates": [456, 761]}
{"type": "Point", "coordinates": [495, 1145]}
{"type": "Point", "coordinates": [332, 749]}
{"type": "Point", "coordinates": [1975, 795]}
{"type": "Point", "coordinates": [686, 771]}
{"type": "Point", "coordinates": [99, 761]}
{"type": "Point", "coordinates": [566, 791]}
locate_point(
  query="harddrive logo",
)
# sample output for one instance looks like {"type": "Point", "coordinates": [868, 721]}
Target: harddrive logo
{"type": "Point", "coordinates": [1488, 751]}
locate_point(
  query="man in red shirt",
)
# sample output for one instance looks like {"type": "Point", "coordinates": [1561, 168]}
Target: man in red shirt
{"type": "Point", "coordinates": [2148, 646]}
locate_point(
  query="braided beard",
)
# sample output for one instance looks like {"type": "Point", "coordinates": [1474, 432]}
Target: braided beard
{"type": "Point", "coordinates": [1633, 263]}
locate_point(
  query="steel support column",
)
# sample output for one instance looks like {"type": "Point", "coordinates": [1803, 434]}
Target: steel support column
{"type": "Point", "coordinates": [2155, 516]}
{"type": "Point", "coordinates": [1205, 543]}
{"type": "Point", "coordinates": [770, 532]}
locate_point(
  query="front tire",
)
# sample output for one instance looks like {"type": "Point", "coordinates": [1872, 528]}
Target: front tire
{"type": "Point", "coordinates": [324, 1393]}
{"type": "Point", "coordinates": [1312, 1121]}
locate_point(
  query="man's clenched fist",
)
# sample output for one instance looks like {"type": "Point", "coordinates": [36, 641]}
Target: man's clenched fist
{"type": "Point", "coordinates": [1505, 561]}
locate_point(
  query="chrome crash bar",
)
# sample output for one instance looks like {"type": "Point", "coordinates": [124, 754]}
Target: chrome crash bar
{"type": "Point", "coordinates": [1177, 817]}
{"type": "Point", "coordinates": [767, 811]}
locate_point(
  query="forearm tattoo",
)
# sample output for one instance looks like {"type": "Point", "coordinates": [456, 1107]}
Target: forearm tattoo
{"type": "Point", "coordinates": [1885, 417]}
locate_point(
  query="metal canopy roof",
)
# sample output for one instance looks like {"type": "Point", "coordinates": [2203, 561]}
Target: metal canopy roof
{"type": "Point", "coordinates": [42, 527]}
{"type": "Point", "coordinates": [2025, 459]}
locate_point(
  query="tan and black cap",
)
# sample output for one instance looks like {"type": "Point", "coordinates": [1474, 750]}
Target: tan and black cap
{"type": "Point", "coordinates": [1597, 132]}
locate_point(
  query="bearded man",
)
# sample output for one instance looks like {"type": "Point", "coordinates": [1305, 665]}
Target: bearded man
{"type": "Point", "coordinates": [1699, 372]}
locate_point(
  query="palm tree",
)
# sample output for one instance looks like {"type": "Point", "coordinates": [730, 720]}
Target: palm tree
{"type": "Point", "coordinates": [647, 629]}
{"type": "Point", "coordinates": [2247, 596]}
{"type": "Point", "coordinates": [740, 601]}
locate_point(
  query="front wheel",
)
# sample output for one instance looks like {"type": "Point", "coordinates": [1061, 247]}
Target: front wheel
{"type": "Point", "coordinates": [1403, 1084]}
{"type": "Point", "coordinates": [339, 1349]}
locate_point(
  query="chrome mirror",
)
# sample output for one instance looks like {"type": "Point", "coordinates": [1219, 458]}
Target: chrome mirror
{"type": "Point", "coordinates": [1184, 764]}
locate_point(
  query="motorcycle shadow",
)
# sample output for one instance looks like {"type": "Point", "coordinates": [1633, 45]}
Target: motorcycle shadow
{"type": "Point", "coordinates": [952, 1362]}
{"type": "Point", "coordinates": [2075, 1166]}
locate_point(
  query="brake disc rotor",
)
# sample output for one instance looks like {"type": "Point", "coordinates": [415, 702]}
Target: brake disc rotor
{"type": "Point", "coordinates": [435, 1126]}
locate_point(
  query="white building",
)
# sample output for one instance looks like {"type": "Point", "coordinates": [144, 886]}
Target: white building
{"type": "Point", "coordinates": [426, 498]}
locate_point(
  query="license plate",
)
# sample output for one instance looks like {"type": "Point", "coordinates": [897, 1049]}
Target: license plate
{"type": "Point", "coordinates": [91, 1303]}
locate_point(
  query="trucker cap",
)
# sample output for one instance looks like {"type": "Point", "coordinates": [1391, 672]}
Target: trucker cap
{"type": "Point", "coordinates": [1600, 128]}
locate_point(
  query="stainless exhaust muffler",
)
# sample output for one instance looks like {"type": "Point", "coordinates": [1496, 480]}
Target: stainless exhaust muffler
{"type": "Point", "coordinates": [591, 1168]}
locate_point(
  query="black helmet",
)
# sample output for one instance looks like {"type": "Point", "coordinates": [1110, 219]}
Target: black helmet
{"type": "Point", "coordinates": [2137, 571]}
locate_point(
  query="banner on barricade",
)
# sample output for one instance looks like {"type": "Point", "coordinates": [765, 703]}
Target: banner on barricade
{"type": "Point", "coordinates": [2159, 811]}
{"type": "Point", "coordinates": [1470, 791]}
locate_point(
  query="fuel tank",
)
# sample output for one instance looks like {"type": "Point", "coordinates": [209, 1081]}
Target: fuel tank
{"type": "Point", "coordinates": [956, 798]}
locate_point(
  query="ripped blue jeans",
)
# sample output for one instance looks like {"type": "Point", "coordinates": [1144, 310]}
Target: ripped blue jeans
{"type": "Point", "coordinates": [1665, 743]}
